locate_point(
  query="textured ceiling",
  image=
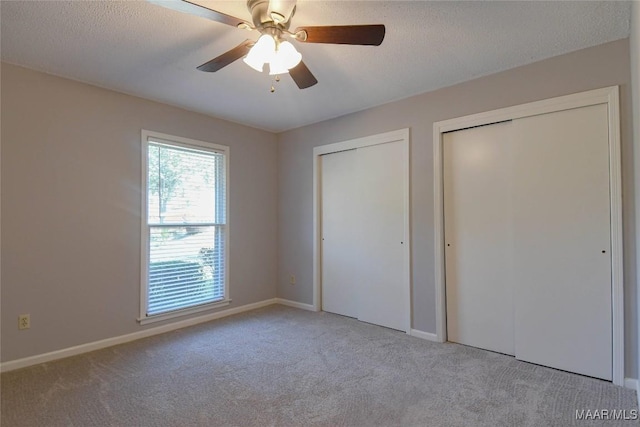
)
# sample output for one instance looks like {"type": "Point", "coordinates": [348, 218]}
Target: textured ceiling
{"type": "Point", "coordinates": [150, 51]}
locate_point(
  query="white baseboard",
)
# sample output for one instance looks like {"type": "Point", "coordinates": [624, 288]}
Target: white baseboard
{"type": "Point", "coordinates": [97, 345]}
{"type": "Point", "coordinates": [424, 335]}
{"type": "Point", "coordinates": [631, 383]}
{"type": "Point", "coordinates": [295, 304]}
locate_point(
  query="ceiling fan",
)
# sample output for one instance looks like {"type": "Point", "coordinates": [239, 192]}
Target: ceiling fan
{"type": "Point", "coordinates": [272, 18]}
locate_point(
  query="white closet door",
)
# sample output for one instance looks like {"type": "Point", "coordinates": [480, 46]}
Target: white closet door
{"type": "Point", "coordinates": [339, 236]}
{"type": "Point", "coordinates": [383, 294]}
{"type": "Point", "coordinates": [562, 241]}
{"type": "Point", "coordinates": [478, 237]}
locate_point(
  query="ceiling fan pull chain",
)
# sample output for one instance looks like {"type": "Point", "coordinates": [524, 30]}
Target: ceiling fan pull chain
{"type": "Point", "coordinates": [277, 80]}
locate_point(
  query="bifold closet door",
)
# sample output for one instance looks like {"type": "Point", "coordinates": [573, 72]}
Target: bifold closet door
{"type": "Point", "coordinates": [562, 244]}
{"type": "Point", "coordinates": [478, 238]}
{"type": "Point", "coordinates": [363, 225]}
{"type": "Point", "coordinates": [339, 236]}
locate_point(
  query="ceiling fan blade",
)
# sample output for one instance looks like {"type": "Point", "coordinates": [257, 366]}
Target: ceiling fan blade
{"type": "Point", "coordinates": [227, 58]}
{"type": "Point", "coordinates": [302, 76]}
{"type": "Point", "coordinates": [371, 35]}
{"type": "Point", "coordinates": [194, 8]}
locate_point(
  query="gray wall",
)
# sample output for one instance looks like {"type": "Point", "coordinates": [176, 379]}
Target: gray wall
{"type": "Point", "coordinates": [71, 208]}
{"type": "Point", "coordinates": [591, 68]}
{"type": "Point", "coordinates": [634, 40]}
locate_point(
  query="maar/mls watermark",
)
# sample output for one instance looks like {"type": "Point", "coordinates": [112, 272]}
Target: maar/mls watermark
{"type": "Point", "coordinates": [607, 414]}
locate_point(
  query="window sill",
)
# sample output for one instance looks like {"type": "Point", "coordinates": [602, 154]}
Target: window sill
{"type": "Point", "coordinates": [183, 312]}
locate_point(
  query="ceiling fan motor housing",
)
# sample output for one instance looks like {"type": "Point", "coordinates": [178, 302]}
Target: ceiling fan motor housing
{"type": "Point", "coordinates": [271, 13]}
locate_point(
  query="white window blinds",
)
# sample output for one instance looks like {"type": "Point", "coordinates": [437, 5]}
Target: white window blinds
{"type": "Point", "coordinates": [186, 218]}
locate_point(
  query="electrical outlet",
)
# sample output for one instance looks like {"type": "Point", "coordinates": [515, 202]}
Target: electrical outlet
{"type": "Point", "coordinates": [292, 279]}
{"type": "Point", "coordinates": [24, 321]}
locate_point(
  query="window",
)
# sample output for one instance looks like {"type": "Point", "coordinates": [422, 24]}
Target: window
{"type": "Point", "coordinates": [184, 226]}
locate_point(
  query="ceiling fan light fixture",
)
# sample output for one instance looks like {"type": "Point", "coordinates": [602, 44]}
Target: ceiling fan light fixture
{"type": "Point", "coordinates": [288, 54]}
{"type": "Point", "coordinates": [285, 58]}
{"type": "Point", "coordinates": [262, 52]}
{"type": "Point", "coordinates": [253, 63]}
{"type": "Point", "coordinates": [276, 68]}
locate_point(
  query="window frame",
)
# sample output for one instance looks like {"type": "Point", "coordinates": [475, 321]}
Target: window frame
{"type": "Point", "coordinates": [186, 143]}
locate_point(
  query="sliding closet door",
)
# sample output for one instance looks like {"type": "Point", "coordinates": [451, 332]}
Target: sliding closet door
{"type": "Point", "coordinates": [339, 236]}
{"type": "Point", "coordinates": [478, 237]}
{"type": "Point", "coordinates": [562, 241]}
{"type": "Point", "coordinates": [364, 225]}
{"type": "Point", "coordinates": [383, 295]}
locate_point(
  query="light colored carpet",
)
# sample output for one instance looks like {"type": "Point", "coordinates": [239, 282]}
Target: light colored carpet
{"type": "Point", "coordinates": [280, 366]}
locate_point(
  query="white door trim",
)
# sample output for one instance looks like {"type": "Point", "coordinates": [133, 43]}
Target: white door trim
{"type": "Point", "coordinates": [401, 135]}
{"type": "Point", "coordinates": [609, 96]}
